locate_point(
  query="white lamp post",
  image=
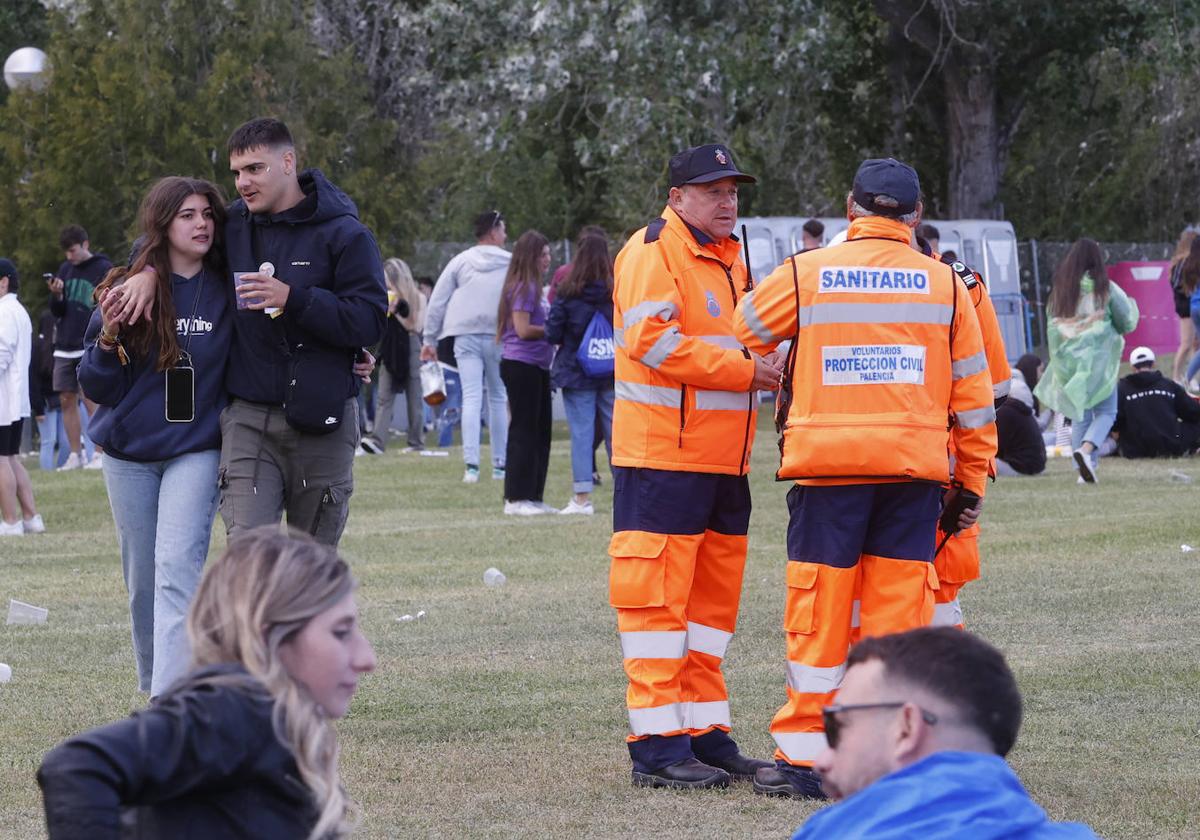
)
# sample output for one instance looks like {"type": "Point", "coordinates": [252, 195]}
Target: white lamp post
{"type": "Point", "coordinates": [26, 67]}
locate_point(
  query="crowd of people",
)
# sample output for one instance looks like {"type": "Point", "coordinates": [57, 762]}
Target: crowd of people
{"type": "Point", "coordinates": [220, 369]}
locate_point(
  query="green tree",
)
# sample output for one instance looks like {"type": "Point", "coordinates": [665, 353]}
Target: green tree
{"type": "Point", "coordinates": [139, 90]}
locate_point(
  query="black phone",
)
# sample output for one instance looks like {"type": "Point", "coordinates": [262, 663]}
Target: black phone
{"type": "Point", "coordinates": [181, 394]}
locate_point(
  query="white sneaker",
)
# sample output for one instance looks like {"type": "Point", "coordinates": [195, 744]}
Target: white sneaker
{"type": "Point", "coordinates": [574, 507]}
{"type": "Point", "coordinates": [97, 462]}
{"type": "Point", "coordinates": [15, 529]}
{"type": "Point", "coordinates": [73, 462]}
{"type": "Point", "coordinates": [35, 525]}
{"type": "Point", "coordinates": [497, 473]}
{"type": "Point", "coordinates": [471, 475]}
{"type": "Point", "coordinates": [522, 507]}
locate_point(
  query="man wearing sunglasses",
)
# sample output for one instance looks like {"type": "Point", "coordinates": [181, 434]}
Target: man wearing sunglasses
{"type": "Point", "coordinates": [917, 743]}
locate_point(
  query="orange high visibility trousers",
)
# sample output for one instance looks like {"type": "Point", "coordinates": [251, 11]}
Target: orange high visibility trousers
{"type": "Point", "coordinates": [957, 564]}
{"type": "Point", "coordinates": [873, 542]}
{"type": "Point", "coordinates": [678, 553]}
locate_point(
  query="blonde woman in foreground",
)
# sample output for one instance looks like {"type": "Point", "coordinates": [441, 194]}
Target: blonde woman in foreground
{"type": "Point", "coordinates": [244, 745]}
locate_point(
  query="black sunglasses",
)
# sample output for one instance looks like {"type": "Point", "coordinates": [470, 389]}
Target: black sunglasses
{"type": "Point", "coordinates": [833, 727]}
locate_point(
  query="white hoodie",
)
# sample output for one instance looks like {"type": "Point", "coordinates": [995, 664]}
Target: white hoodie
{"type": "Point", "coordinates": [467, 295]}
{"type": "Point", "coordinates": [16, 341]}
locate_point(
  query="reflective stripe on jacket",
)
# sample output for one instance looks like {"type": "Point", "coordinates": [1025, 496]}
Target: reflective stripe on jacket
{"type": "Point", "coordinates": [890, 362]}
{"type": "Point", "coordinates": [682, 379]}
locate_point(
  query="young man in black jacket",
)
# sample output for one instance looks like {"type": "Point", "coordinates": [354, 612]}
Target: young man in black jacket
{"type": "Point", "coordinates": [1155, 416]}
{"type": "Point", "coordinates": [308, 279]}
{"type": "Point", "coordinates": [71, 291]}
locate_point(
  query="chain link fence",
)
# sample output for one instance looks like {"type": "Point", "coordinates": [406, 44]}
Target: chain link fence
{"type": "Point", "coordinates": [1039, 259]}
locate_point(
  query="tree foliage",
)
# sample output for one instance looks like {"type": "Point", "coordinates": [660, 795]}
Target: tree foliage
{"type": "Point", "coordinates": [1068, 118]}
{"type": "Point", "coordinates": [139, 90]}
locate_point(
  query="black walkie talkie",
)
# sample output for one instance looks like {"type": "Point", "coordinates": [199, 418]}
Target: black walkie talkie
{"type": "Point", "coordinates": [749, 270]}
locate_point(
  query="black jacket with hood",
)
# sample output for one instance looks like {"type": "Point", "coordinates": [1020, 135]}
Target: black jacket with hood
{"type": "Point", "coordinates": [337, 303]}
{"type": "Point", "coordinates": [1155, 417]}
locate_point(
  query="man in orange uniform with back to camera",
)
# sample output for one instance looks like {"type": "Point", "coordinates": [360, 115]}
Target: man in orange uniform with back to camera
{"type": "Point", "coordinates": [887, 369]}
{"type": "Point", "coordinates": [683, 424]}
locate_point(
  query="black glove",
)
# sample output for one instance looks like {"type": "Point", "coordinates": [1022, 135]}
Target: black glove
{"type": "Point", "coordinates": [954, 502]}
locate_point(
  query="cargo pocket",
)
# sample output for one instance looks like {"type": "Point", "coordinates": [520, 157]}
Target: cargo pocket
{"type": "Point", "coordinates": [798, 615]}
{"type": "Point", "coordinates": [638, 575]}
{"type": "Point", "coordinates": [332, 510]}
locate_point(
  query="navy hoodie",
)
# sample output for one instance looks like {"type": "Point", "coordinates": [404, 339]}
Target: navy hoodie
{"type": "Point", "coordinates": [74, 308]}
{"type": "Point", "coordinates": [131, 420]}
{"type": "Point", "coordinates": [337, 303]}
{"type": "Point", "coordinates": [567, 322]}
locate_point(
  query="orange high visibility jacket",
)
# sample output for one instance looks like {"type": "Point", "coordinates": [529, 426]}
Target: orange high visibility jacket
{"type": "Point", "coordinates": [889, 362]}
{"type": "Point", "coordinates": [993, 340]}
{"type": "Point", "coordinates": [682, 380]}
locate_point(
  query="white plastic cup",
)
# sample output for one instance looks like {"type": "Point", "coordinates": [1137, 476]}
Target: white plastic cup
{"type": "Point", "coordinates": [21, 613]}
{"type": "Point", "coordinates": [5, 673]}
{"type": "Point", "coordinates": [494, 577]}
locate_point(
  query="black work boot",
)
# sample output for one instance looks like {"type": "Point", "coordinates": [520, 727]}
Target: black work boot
{"type": "Point", "coordinates": [718, 749]}
{"type": "Point", "coordinates": [741, 768]}
{"type": "Point", "coordinates": [788, 780]}
{"type": "Point", "coordinates": [683, 775]}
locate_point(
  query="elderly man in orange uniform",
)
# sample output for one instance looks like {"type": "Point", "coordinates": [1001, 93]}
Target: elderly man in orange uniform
{"type": "Point", "coordinates": [683, 424]}
{"type": "Point", "coordinates": [887, 368]}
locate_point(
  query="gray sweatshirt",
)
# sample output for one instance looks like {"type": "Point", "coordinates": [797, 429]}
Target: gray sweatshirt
{"type": "Point", "coordinates": [467, 295]}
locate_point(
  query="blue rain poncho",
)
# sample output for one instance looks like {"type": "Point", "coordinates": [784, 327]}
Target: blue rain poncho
{"type": "Point", "coordinates": [945, 795]}
{"type": "Point", "coordinates": [1085, 350]}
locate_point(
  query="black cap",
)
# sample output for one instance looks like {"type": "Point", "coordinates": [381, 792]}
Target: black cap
{"type": "Point", "coordinates": [703, 164]}
{"type": "Point", "coordinates": [7, 269]}
{"type": "Point", "coordinates": [887, 176]}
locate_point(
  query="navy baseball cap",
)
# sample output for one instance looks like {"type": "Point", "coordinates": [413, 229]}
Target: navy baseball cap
{"type": "Point", "coordinates": [7, 269]}
{"type": "Point", "coordinates": [703, 164]}
{"type": "Point", "coordinates": [887, 177]}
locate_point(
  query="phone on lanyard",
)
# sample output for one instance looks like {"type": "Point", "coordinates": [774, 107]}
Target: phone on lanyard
{"type": "Point", "coordinates": [181, 394]}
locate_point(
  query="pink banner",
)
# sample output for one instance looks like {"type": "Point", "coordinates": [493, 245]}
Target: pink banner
{"type": "Point", "coordinates": [1149, 283]}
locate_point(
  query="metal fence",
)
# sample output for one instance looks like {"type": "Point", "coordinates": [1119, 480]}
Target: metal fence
{"type": "Point", "coordinates": [1039, 260]}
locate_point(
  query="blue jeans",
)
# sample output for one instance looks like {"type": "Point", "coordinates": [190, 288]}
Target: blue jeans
{"type": "Point", "coordinates": [1097, 422]}
{"type": "Point", "coordinates": [89, 448]}
{"type": "Point", "coordinates": [449, 413]}
{"type": "Point", "coordinates": [478, 357]}
{"type": "Point", "coordinates": [164, 514]}
{"type": "Point", "coordinates": [580, 405]}
{"type": "Point", "coordinates": [52, 433]}
{"type": "Point", "coordinates": [1194, 365]}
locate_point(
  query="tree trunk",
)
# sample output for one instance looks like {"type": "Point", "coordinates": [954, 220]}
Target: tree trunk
{"type": "Point", "coordinates": [972, 138]}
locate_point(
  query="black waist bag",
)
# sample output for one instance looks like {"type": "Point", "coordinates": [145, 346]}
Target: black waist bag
{"type": "Point", "coordinates": [319, 383]}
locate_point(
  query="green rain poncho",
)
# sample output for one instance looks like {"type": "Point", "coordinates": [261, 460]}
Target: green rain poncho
{"type": "Point", "coordinates": [1085, 350]}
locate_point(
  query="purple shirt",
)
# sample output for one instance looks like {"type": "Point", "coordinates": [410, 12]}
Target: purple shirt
{"type": "Point", "coordinates": [537, 351]}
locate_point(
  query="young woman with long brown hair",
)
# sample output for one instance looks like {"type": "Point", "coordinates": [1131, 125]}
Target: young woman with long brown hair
{"type": "Point", "coordinates": [1088, 317]}
{"type": "Point", "coordinates": [160, 389]}
{"type": "Point", "coordinates": [245, 745]}
{"type": "Point", "coordinates": [1189, 284]}
{"type": "Point", "coordinates": [1183, 307]}
{"type": "Point", "coordinates": [588, 400]}
{"type": "Point", "coordinates": [525, 357]}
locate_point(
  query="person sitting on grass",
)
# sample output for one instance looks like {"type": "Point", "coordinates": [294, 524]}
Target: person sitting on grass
{"type": "Point", "coordinates": [917, 742]}
{"type": "Point", "coordinates": [243, 745]}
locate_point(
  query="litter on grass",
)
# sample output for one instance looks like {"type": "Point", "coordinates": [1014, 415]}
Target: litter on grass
{"type": "Point", "coordinates": [21, 613]}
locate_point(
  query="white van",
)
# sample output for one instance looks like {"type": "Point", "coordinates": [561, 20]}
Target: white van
{"type": "Point", "coordinates": [987, 245]}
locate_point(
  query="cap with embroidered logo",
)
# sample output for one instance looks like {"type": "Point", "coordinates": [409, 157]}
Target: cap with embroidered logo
{"type": "Point", "coordinates": [878, 177]}
{"type": "Point", "coordinates": [704, 164]}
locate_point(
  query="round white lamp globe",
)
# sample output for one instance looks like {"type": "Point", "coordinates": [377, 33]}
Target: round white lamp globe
{"type": "Point", "coordinates": [25, 68]}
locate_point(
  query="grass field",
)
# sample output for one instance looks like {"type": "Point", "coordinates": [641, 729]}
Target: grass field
{"type": "Point", "coordinates": [500, 714]}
